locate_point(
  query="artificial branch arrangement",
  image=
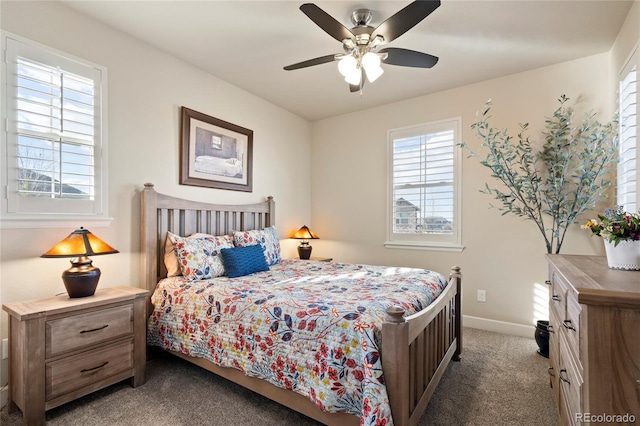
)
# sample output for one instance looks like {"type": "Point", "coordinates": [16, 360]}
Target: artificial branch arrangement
{"type": "Point", "coordinates": [556, 184]}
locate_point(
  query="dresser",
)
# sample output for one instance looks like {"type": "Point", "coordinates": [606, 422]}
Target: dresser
{"type": "Point", "coordinates": [62, 348]}
{"type": "Point", "coordinates": [594, 340]}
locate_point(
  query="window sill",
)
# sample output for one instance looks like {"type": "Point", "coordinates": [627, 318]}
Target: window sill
{"type": "Point", "coordinates": [404, 245]}
{"type": "Point", "coordinates": [13, 221]}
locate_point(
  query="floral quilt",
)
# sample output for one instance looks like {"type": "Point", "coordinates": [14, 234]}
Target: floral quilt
{"type": "Point", "coordinates": [311, 327]}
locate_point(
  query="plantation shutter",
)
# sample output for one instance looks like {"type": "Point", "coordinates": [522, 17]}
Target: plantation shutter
{"type": "Point", "coordinates": [627, 185]}
{"type": "Point", "coordinates": [54, 121]}
{"type": "Point", "coordinates": [423, 193]}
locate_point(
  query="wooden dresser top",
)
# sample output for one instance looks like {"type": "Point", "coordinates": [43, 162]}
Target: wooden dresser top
{"type": "Point", "coordinates": [596, 283]}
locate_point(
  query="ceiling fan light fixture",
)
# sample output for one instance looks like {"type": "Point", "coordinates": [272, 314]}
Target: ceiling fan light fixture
{"type": "Point", "coordinates": [373, 73]}
{"type": "Point", "coordinates": [370, 60]}
{"type": "Point", "coordinates": [348, 65]}
{"type": "Point", "coordinates": [354, 77]}
{"type": "Point", "coordinates": [371, 64]}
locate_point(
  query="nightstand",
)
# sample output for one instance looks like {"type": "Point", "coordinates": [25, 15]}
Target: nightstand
{"type": "Point", "coordinates": [63, 348]}
{"type": "Point", "coordinates": [321, 259]}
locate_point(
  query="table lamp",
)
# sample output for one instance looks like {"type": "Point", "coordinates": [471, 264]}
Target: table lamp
{"type": "Point", "coordinates": [81, 279]}
{"type": "Point", "coordinates": [305, 234]}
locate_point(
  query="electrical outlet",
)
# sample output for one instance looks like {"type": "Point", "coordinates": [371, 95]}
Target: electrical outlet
{"type": "Point", "coordinates": [482, 296]}
{"type": "Point", "coordinates": [5, 348]}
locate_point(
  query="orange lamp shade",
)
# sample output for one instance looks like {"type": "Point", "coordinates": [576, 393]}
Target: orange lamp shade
{"type": "Point", "coordinates": [80, 242]}
{"type": "Point", "coordinates": [305, 233]}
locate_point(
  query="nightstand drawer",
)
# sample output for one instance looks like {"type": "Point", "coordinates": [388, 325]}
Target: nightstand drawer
{"type": "Point", "coordinates": [77, 371]}
{"type": "Point", "coordinates": [77, 331]}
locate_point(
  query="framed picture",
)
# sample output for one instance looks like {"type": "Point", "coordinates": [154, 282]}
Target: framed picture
{"type": "Point", "coordinates": [215, 153]}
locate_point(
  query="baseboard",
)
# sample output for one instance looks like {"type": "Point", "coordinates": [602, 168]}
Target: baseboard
{"type": "Point", "coordinates": [4, 396]}
{"type": "Point", "coordinates": [498, 326]}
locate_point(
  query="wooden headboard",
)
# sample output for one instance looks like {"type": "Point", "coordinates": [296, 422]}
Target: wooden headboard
{"type": "Point", "coordinates": [162, 213]}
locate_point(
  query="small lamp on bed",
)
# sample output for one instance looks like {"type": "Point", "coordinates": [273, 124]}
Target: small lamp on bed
{"type": "Point", "coordinates": [305, 234]}
{"type": "Point", "coordinates": [82, 278]}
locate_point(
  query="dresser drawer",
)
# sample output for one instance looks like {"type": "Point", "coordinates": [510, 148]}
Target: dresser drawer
{"type": "Point", "coordinates": [554, 347]}
{"type": "Point", "coordinates": [73, 332]}
{"type": "Point", "coordinates": [558, 296]}
{"type": "Point", "coordinates": [77, 371]}
{"type": "Point", "coordinates": [571, 324]}
{"type": "Point", "coordinates": [570, 381]}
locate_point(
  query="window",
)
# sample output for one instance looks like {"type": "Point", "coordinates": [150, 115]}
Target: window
{"type": "Point", "coordinates": [424, 181]}
{"type": "Point", "coordinates": [628, 183]}
{"type": "Point", "coordinates": [55, 125]}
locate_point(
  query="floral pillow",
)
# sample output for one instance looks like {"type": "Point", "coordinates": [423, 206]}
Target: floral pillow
{"type": "Point", "coordinates": [267, 238]}
{"type": "Point", "coordinates": [199, 258]}
{"type": "Point", "coordinates": [171, 259]}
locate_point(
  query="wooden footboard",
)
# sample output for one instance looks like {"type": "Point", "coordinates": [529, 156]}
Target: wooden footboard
{"type": "Point", "coordinates": [417, 349]}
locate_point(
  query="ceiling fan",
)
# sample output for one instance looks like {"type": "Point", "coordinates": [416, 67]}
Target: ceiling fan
{"type": "Point", "coordinates": [362, 55]}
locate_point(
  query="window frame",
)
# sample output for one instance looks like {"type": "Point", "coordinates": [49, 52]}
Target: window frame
{"type": "Point", "coordinates": [58, 213]}
{"type": "Point", "coordinates": [633, 61]}
{"type": "Point", "coordinates": [435, 242]}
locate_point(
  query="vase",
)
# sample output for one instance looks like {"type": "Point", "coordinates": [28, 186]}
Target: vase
{"type": "Point", "coordinates": [542, 337]}
{"type": "Point", "coordinates": [626, 255]}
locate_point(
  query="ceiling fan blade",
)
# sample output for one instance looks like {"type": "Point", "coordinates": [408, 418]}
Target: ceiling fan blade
{"type": "Point", "coordinates": [325, 21]}
{"type": "Point", "coordinates": [405, 19]}
{"type": "Point", "coordinates": [358, 87]}
{"type": "Point", "coordinates": [311, 62]}
{"type": "Point", "coordinates": [408, 58]}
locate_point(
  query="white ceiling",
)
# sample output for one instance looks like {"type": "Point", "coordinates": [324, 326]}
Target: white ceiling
{"type": "Point", "coordinates": [247, 43]}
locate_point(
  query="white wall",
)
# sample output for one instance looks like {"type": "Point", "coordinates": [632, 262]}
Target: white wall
{"type": "Point", "coordinates": [504, 255]}
{"type": "Point", "coordinates": [146, 89]}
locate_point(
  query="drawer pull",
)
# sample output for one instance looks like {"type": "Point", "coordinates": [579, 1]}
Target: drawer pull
{"type": "Point", "coordinates": [547, 282]}
{"type": "Point", "coordinates": [568, 325]}
{"type": "Point", "coordinates": [564, 379]}
{"type": "Point", "coordinates": [556, 298]}
{"type": "Point", "coordinates": [550, 371]}
{"type": "Point", "coordinates": [95, 329]}
{"type": "Point", "coordinates": [85, 370]}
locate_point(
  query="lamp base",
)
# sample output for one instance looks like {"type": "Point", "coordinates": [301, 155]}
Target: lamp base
{"type": "Point", "coordinates": [304, 251]}
{"type": "Point", "coordinates": [82, 278]}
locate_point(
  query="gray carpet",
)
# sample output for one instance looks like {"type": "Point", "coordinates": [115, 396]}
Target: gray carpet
{"type": "Point", "coordinates": [501, 380]}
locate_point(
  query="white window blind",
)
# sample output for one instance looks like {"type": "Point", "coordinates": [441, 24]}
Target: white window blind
{"type": "Point", "coordinates": [55, 115]}
{"type": "Point", "coordinates": [424, 204]}
{"type": "Point", "coordinates": [55, 134]}
{"type": "Point", "coordinates": [627, 182]}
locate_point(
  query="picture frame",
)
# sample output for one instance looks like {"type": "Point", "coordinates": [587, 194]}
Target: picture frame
{"type": "Point", "coordinates": [215, 153]}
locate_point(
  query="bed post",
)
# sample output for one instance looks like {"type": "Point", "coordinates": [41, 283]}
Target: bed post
{"type": "Point", "coordinates": [149, 238]}
{"type": "Point", "coordinates": [455, 273]}
{"type": "Point", "coordinates": [395, 363]}
{"type": "Point", "coordinates": [272, 211]}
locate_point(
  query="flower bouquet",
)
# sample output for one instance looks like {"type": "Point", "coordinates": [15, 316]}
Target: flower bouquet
{"type": "Point", "coordinates": [620, 231]}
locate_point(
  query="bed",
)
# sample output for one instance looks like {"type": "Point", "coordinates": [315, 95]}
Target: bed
{"type": "Point", "coordinates": [393, 366]}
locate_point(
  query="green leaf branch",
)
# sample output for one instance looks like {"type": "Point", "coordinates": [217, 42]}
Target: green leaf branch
{"type": "Point", "coordinates": [555, 185]}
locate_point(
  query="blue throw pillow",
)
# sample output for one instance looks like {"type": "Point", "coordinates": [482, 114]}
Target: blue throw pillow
{"type": "Point", "coordinates": [240, 261]}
